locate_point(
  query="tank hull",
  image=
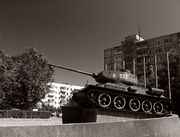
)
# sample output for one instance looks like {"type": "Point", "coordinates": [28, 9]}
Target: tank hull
{"type": "Point", "coordinates": [121, 100]}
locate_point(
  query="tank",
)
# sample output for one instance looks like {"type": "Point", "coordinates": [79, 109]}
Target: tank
{"type": "Point", "coordinates": [119, 90]}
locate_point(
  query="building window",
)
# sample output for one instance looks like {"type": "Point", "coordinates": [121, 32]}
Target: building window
{"type": "Point", "coordinates": [165, 40]}
{"type": "Point", "coordinates": [150, 52]}
{"type": "Point", "coordinates": [159, 50]}
{"type": "Point", "coordinates": [139, 60]}
{"type": "Point", "coordinates": [158, 58]}
{"type": "Point", "coordinates": [169, 39]}
{"type": "Point", "coordinates": [63, 88]}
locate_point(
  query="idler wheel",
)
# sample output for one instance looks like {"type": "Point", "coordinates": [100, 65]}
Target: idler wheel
{"type": "Point", "coordinates": [104, 100]}
{"type": "Point", "coordinates": [134, 104]}
{"type": "Point", "coordinates": [146, 106]}
{"type": "Point", "coordinates": [119, 102]}
{"type": "Point", "coordinates": [92, 96]}
{"type": "Point", "coordinates": [158, 108]}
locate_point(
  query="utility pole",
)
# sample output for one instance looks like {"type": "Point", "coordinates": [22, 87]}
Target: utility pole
{"type": "Point", "coordinates": [144, 64]}
{"type": "Point", "coordinates": [134, 66]}
{"type": "Point", "coordinates": [106, 67]}
{"type": "Point", "coordinates": [155, 62]}
{"type": "Point", "coordinates": [139, 33]}
{"type": "Point", "coordinates": [124, 64]}
{"type": "Point", "coordinates": [114, 66]}
{"type": "Point", "coordinates": [169, 79]}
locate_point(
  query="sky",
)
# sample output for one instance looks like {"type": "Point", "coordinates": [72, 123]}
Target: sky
{"type": "Point", "coordinates": [74, 33]}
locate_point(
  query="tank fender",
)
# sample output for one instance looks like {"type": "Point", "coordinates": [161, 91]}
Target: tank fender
{"type": "Point", "coordinates": [155, 91]}
{"type": "Point", "coordinates": [132, 89]}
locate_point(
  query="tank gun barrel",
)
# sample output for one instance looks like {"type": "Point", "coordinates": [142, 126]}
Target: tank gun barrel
{"type": "Point", "coordinates": [73, 70]}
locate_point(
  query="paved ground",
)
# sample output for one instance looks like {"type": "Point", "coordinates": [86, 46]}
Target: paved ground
{"type": "Point", "coordinates": [5, 122]}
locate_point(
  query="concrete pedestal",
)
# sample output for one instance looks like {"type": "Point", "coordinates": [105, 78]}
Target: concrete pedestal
{"type": "Point", "coordinates": [153, 127]}
{"type": "Point", "coordinates": [101, 123]}
{"type": "Point", "coordinates": [78, 115]}
{"type": "Point", "coordinates": [83, 115]}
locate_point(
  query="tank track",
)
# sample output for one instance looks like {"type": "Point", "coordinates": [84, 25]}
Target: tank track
{"type": "Point", "coordinates": [118, 100]}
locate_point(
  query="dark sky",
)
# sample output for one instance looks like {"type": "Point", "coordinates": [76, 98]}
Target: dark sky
{"type": "Point", "coordinates": [74, 33]}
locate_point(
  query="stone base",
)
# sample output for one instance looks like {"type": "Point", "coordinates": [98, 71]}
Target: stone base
{"type": "Point", "coordinates": [78, 115]}
{"type": "Point", "coordinates": [83, 115]}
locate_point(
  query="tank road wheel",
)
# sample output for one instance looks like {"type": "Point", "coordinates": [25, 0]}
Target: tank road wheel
{"type": "Point", "coordinates": [119, 102]}
{"type": "Point", "coordinates": [104, 100]}
{"type": "Point", "coordinates": [158, 108]}
{"type": "Point", "coordinates": [134, 104]}
{"type": "Point", "coordinates": [146, 106]}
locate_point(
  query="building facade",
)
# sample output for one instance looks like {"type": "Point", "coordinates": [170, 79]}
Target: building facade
{"type": "Point", "coordinates": [151, 52]}
{"type": "Point", "coordinates": [154, 52]}
{"type": "Point", "coordinates": [59, 94]}
{"type": "Point", "coordinates": [113, 58]}
{"type": "Point", "coordinates": [130, 51]}
{"type": "Point", "coordinates": [121, 57]}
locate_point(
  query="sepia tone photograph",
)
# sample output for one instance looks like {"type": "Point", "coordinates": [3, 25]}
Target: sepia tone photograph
{"type": "Point", "coordinates": [89, 68]}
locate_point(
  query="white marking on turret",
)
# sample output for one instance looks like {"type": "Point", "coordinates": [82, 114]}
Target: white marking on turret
{"type": "Point", "coordinates": [114, 75]}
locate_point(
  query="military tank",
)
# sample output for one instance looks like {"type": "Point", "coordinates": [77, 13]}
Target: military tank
{"type": "Point", "coordinates": [119, 90]}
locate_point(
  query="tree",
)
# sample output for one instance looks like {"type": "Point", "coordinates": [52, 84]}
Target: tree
{"type": "Point", "coordinates": [174, 80]}
{"type": "Point", "coordinates": [174, 75]}
{"type": "Point", "coordinates": [6, 78]}
{"type": "Point", "coordinates": [24, 78]}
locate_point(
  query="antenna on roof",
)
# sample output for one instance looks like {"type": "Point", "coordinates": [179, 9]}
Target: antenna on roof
{"type": "Point", "coordinates": [139, 33]}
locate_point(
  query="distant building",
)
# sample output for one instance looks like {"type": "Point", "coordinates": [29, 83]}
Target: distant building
{"type": "Point", "coordinates": [59, 94]}
{"type": "Point", "coordinates": [135, 48]}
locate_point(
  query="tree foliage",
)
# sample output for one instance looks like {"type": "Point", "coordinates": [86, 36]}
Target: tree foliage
{"type": "Point", "coordinates": [23, 79]}
{"type": "Point", "coordinates": [174, 80]}
{"type": "Point", "coordinates": [174, 76]}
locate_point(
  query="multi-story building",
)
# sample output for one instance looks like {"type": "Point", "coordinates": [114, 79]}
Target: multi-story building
{"type": "Point", "coordinates": [156, 48]}
{"type": "Point", "coordinates": [134, 48]}
{"type": "Point", "coordinates": [130, 50]}
{"type": "Point", "coordinates": [122, 56]}
{"type": "Point", "coordinates": [113, 58]}
{"type": "Point", "coordinates": [59, 94]}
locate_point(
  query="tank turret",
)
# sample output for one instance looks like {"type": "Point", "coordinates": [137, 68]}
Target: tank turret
{"type": "Point", "coordinates": [119, 90]}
